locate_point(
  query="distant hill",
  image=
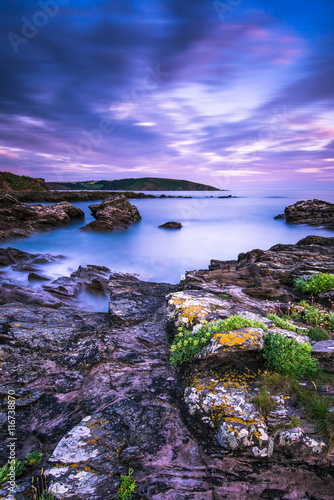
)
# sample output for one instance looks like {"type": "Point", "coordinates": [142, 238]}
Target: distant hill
{"type": "Point", "coordinates": [13, 182]}
{"type": "Point", "coordinates": [141, 184]}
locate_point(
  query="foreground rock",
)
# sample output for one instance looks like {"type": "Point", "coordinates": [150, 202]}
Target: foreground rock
{"type": "Point", "coordinates": [171, 225]}
{"type": "Point", "coordinates": [113, 214]}
{"type": "Point", "coordinates": [311, 212]}
{"type": "Point", "coordinates": [19, 219]}
{"type": "Point", "coordinates": [96, 393]}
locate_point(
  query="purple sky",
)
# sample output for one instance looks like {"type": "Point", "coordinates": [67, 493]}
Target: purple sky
{"type": "Point", "coordinates": [237, 94]}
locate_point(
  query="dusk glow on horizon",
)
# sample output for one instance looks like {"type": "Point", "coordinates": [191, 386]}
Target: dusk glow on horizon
{"type": "Point", "coordinates": [235, 94]}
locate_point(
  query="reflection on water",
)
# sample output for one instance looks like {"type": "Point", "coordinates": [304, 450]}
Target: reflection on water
{"type": "Point", "coordinates": [212, 229]}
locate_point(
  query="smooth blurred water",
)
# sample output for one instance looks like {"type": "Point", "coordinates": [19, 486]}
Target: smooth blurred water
{"type": "Point", "coordinates": [213, 228]}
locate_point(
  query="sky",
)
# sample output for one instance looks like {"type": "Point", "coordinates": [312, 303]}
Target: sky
{"type": "Point", "coordinates": [235, 94]}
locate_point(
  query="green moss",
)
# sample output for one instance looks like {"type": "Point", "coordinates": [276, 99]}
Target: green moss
{"type": "Point", "coordinates": [315, 316]}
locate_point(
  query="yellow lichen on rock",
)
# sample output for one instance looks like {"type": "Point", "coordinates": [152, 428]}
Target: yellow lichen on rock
{"type": "Point", "coordinates": [226, 405]}
{"type": "Point", "coordinates": [190, 308]}
{"type": "Point", "coordinates": [245, 339]}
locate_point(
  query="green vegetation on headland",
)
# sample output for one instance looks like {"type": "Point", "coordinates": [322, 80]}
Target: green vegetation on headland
{"type": "Point", "coordinates": [13, 182]}
{"type": "Point", "coordinates": [141, 184]}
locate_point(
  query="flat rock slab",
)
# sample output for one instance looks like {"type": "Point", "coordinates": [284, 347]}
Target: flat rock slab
{"type": "Point", "coordinates": [223, 344]}
{"type": "Point", "coordinates": [190, 308]}
{"type": "Point", "coordinates": [323, 351]}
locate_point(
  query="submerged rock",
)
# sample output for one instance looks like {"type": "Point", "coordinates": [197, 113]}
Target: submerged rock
{"type": "Point", "coordinates": [171, 225]}
{"type": "Point", "coordinates": [113, 214]}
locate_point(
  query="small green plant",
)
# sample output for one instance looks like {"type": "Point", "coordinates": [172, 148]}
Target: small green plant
{"type": "Point", "coordinates": [126, 487]}
{"type": "Point", "coordinates": [264, 402]}
{"type": "Point", "coordinates": [315, 316]}
{"type": "Point", "coordinates": [286, 356]}
{"type": "Point", "coordinates": [187, 344]}
{"type": "Point", "coordinates": [5, 471]}
{"type": "Point", "coordinates": [331, 321]}
{"type": "Point", "coordinates": [33, 458]}
{"type": "Point", "coordinates": [39, 488]}
{"type": "Point", "coordinates": [316, 333]}
{"type": "Point", "coordinates": [294, 422]}
{"type": "Point", "coordinates": [283, 323]}
{"type": "Point", "coordinates": [318, 283]}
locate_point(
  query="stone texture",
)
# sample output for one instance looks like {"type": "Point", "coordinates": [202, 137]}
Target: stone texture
{"type": "Point", "coordinates": [260, 277]}
{"type": "Point", "coordinates": [299, 338]}
{"type": "Point", "coordinates": [323, 351]}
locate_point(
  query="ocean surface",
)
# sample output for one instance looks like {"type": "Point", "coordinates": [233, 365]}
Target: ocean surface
{"type": "Point", "coordinates": [213, 228]}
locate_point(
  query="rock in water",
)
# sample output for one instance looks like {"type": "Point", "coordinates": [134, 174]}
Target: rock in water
{"type": "Point", "coordinates": [20, 219]}
{"type": "Point", "coordinates": [171, 225]}
{"type": "Point", "coordinates": [312, 212]}
{"type": "Point", "coordinates": [113, 214]}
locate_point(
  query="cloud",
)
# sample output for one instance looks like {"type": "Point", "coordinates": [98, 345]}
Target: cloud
{"type": "Point", "coordinates": [184, 93]}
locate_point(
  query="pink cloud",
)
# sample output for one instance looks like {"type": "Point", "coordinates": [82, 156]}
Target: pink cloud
{"type": "Point", "coordinates": [9, 154]}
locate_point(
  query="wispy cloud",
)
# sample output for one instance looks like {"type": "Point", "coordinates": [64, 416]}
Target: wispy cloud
{"type": "Point", "coordinates": [186, 94]}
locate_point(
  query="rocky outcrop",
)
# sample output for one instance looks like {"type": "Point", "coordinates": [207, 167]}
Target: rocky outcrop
{"type": "Point", "coordinates": [113, 214]}
{"type": "Point", "coordinates": [74, 196]}
{"type": "Point", "coordinates": [311, 212]}
{"type": "Point", "coordinates": [13, 257]}
{"type": "Point", "coordinates": [259, 276]}
{"type": "Point", "coordinates": [19, 220]}
{"type": "Point", "coordinates": [97, 395]}
{"type": "Point", "coordinates": [171, 225]}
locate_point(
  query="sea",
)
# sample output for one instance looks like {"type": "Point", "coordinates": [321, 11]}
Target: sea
{"type": "Point", "coordinates": [212, 228]}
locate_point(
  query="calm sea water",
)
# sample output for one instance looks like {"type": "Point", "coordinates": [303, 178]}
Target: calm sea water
{"type": "Point", "coordinates": [213, 228]}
